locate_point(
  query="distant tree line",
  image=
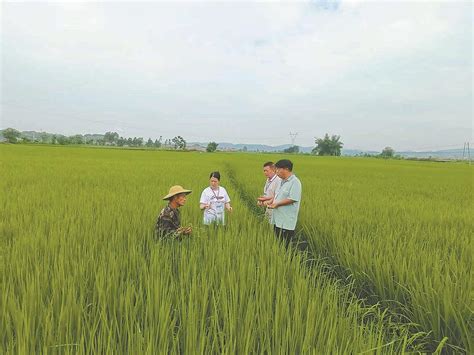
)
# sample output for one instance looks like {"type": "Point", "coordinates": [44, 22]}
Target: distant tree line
{"type": "Point", "coordinates": [331, 146]}
{"type": "Point", "coordinates": [294, 149]}
{"type": "Point", "coordinates": [326, 146]}
{"type": "Point", "coordinates": [14, 136]}
{"type": "Point", "coordinates": [387, 153]}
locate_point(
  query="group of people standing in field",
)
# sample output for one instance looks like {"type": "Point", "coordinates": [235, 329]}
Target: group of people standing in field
{"type": "Point", "coordinates": [281, 199]}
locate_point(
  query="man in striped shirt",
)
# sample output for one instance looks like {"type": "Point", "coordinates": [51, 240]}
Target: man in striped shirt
{"type": "Point", "coordinates": [271, 185]}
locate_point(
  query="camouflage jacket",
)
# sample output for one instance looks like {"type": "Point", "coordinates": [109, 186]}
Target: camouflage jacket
{"type": "Point", "coordinates": [168, 223]}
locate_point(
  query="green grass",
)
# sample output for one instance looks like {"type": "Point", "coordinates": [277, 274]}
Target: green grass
{"type": "Point", "coordinates": [81, 271]}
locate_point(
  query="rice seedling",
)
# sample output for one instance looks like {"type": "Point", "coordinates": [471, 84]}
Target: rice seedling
{"type": "Point", "coordinates": [82, 271]}
{"type": "Point", "coordinates": [401, 230]}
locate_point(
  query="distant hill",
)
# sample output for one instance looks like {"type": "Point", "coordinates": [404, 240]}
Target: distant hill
{"type": "Point", "coordinates": [278, 148]}
{"type": "Point", "coordinates": [33, 135]}
{"type": "Point", "coordinates": [259, 147]}
{"type": "Point", "coordinates": [226, 146]}
{"type": "Point", "coordinates": [354, 152]}
{"type": "Point", "coordinates": [439, 154]}
{"type": "Point", "coordinates": [446, 154]}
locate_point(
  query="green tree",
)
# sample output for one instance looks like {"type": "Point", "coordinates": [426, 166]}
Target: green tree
{"type": "Point", "coordinates": [111, 137]}
{"type": "Point", "coordinates": [157, 143]}
{"type": "Point", "coordinates": [149, 143]}
{"type": "Point", "coordinates": [121, 141]}
{"type": "Point", "coordinates": [76, 139]}
{"type": "Point", "coordinates": [11, 135]}
{"type": "Point", "coordinates": [179, 142]}
{"type": "Point", "coordinates": [292, 150]}
{"type": "Point", "coordinates": [137, 141]}
{"type": "Point", "coordinates": [328, 145]}
{"type": "Point", "coordinates": [387, 152]}
{"type": "Point", "coordinates": [211, 147]}
{"type": "Point", "coordinates": [44, 137]}
{"type": "Point", "coordinates": [63, 140]}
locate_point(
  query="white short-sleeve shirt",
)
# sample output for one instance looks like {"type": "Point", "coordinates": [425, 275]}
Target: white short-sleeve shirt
{"type": "Point", "coordinates": [217, 200]}
{"type": "Point", "coordinates": [269, 190]}
{"type": "Point", "coordinates": [271, 185]}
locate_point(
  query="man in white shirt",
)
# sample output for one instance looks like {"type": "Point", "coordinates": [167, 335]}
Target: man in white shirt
{"type": "Point", "coordinates": [269, 190]}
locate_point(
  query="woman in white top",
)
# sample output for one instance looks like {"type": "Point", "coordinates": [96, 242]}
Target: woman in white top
{"type": "Point", "coordinates": [214, 201]}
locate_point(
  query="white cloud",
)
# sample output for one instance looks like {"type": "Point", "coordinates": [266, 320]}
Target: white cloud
{"type": "Point", "coordinates": [240, 66]}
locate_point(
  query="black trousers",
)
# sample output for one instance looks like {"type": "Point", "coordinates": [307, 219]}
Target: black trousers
{"type": "Point", "coordinates": [290, 239]}
{"type": "Point", "coordinates": [285, 235]}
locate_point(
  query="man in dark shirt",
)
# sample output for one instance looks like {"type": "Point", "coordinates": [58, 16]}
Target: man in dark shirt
{"type": "Point", "coordinates": [168, 224]}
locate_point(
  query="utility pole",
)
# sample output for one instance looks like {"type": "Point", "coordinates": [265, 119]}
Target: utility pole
{"type": "Point", "coordinates": [466, 152]}
{"type": "Point", "coordinates": [293, 138]}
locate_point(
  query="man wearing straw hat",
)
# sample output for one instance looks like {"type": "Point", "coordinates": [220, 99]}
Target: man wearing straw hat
{"type": "Point", "coordinates": [169, 220]}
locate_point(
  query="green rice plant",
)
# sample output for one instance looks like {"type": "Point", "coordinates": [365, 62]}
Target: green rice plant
{"type": "Point", "coordinates": [401, 230]}
{"type": "Point", "coordinates": [83, 273]}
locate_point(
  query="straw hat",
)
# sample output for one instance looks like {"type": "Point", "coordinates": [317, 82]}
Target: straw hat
{"type": "Point", "coordinates": [174, 190]}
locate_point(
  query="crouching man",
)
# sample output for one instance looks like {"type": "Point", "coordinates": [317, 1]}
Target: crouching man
{"type": "Point", "coordinates": [168, 224]}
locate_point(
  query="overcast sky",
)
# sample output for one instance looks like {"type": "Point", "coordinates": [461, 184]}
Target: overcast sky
{"type": "Point", "coordinates": [377, 73]}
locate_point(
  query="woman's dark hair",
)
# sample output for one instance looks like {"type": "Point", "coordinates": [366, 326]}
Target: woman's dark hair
{"type": "Point", "coordinates": [215, 174]}
{"type": "Point", "coordinates": [284, 164]}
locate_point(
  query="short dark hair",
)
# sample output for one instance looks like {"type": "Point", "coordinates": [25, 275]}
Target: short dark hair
{"type": "Point", "coordinates": [215, 174]}
{"type": "Point", "coordinates": [269, 163]}
{"type": "Point", "coordinates": [284, 164]}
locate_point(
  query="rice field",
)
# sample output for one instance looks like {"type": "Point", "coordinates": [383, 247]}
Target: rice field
{"type": "Point", "coordinates": [81, 271]}
{"type": "Point", "coordinates": [401, 230]}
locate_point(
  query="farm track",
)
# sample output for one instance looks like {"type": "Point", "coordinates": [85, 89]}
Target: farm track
{"type": "Point", "coordinates": [336, 272]}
